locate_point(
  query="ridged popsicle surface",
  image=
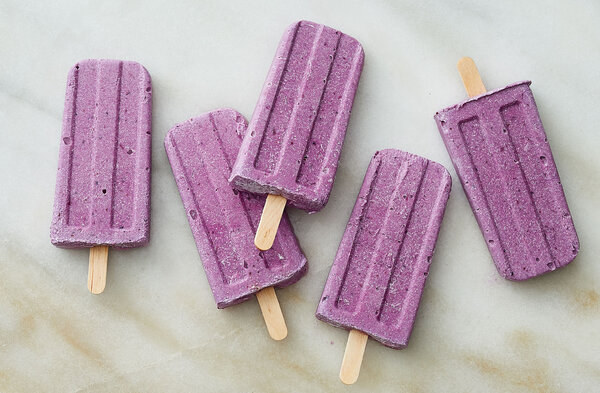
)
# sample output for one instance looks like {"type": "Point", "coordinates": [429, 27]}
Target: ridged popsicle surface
{"type": "Point", "coordinates": [296, 134]}
{"type": "Point", "coordinates": [223, 220]}
{"type": "Point", "coordinates": [502, 156]}
{"type": "Point", "coordinates": [377, 278]}
{"type": "Point", "coordinates": [103, 180]}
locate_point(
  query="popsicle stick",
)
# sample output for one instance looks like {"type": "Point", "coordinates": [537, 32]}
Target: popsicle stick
{"type": "Point", "coordinates": [97, 269]}
{"type": "Point", "coordinates": [355, 349]}
{"type": "Point", "coordinates": [470, 77]}
{"type": "Point", "coordinates": [269, 222]}
{"type": "Point", "coordinates": [269, 305]}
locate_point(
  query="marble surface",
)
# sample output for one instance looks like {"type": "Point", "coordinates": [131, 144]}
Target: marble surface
{"type": "Point", "coordinates": [156, 327]}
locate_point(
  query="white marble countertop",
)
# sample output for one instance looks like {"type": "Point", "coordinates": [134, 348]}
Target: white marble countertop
{"type": "Point", "coordinates": [156, 328]}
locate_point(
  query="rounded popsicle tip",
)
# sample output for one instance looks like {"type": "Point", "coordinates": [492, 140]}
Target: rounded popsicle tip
{"type": "Point", "coordinates": [464, 61]}
{"type": "Point", "coordinates": [264, 240]}
{"type": "Point", "coordinates": [96, 290]}
{"type": "Point", "coordinates": [348, 379]}
{"type": "Point", "coordinates": [279, 334]}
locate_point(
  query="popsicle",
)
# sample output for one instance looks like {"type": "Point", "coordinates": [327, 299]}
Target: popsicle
{"type": "Point", "coordinates": [376, 281]}
{"type": "Point", "coordinates": [102, 194]}
{"type": "Point", "coordinates": [500, 151]}
{"type": "Point", "coordinates": [223, 220]}
{"type": "Point", "coordinates": [295, 136]}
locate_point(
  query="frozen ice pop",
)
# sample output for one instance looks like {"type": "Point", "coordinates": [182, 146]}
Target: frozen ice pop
{"type": "Point", "coordinates": [293, 144]}
{"type": "Point", "coordinates": [103, 181]}
{"type": "Point", "coordinates": [223, 220]}
{"type": "Point", "coordinates": [376, 281]}
{"type": "Point", "coordinates": [500, 151]}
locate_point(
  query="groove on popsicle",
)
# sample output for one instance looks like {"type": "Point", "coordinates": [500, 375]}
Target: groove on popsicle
{"type": "Point", "coordinates": [376, 263]}
{"type": "Point", "coordinates": [541, 228]}
{"type": "Point", "coordinates": [101, 194]}
{"type": "Point", "coordinates": [265, 138]}
{"type": "Point", "coordinates": [201, 152]}
{"type": "Point", "coordinates": [364, 208]}
{"type": "Point", "coordinates": [197, 208]}
{"type": "Point", "coordinates": [229, 272]}
{"type": "Point", "coordinates": [514, 188]}
{"type": "Point", "coordinates": [427, 247]}
{"type": "Point", "coordinates": [229, 162]}
{"type": "Point", "coordinates": [115, 163]}
{"type": "Point", "coordinates": [474, 86]}
{"type": "Point", "coordinates": [392, 256]}
{"type": "Point", "coordinates": [392, 274]}
{"type": "Point", "coordinates": [279, 150]}
{"type": "Point", "coordinates": [71, 118]}
{"type": "Point", "coordinates": [79, 210]}
{"type": "Point", "coordinates": [399, 198]}
{"type": "Point", "coordinates": [107, 167]}
{"type": "Point", "coordinates": [308, 75]}
{"type": "Point", "coordinates": [484, 195]}
{"type": "Point", "coordinates": [340, 123]}
{"type": "Point", "coordinates": [129, 137]}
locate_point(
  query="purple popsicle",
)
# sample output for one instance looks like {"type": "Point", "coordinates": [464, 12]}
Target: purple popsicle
{"type": "Point", "coordinates": [502, 156]}
{"type": "Point", "coordinates": [223, 220]}
{"type": "Point", "coordinates": [103, 180]}
{"type": "Point", "coordinates": [296, 133]}
{"type": "Point", "coordinates": [377, 278]}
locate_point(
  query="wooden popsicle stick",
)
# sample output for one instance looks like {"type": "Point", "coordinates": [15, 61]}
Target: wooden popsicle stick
{"type": "Point", "coordinates": [269, 305]}
{"type": "Point", "coordinates": [269, 222]}
{"type": "Point", "coordinates": [470, 77]}
{"type": "Point", "coordinates": [355, 349]}
{"type": "Point", "coordinates": [97, 269]}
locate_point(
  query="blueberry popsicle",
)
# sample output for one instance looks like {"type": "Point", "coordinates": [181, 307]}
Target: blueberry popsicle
{"type": "Point", "coordinates": [499, 148]}
{"type": "Point", "coordinates": [376, 281]}
{"type": "Point", "coordinates": [223, 220]}
{"type": "Point", "coordinates": [293, 144]}
{"type": "Point", "coordinates": [102, 194]}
